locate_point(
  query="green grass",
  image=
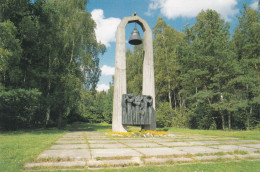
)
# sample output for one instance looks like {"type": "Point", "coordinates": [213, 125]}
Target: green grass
{"type": "Point", "coordinates": [241, 166]}
{"type": "Point", "coordinates": [242, 134]}
{"type": "Point", "coordinates": [19, 147]}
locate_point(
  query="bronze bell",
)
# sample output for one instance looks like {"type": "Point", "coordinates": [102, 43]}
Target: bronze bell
{"type": "Point", "coordinates": [135, 38]}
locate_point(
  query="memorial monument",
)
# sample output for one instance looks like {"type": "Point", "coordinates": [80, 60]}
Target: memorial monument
{"type": "Point", "coordinates": [136, 108]}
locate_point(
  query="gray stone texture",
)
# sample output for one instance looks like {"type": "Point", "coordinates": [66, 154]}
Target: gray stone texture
{"type": "Point", "coordinates": [118, 151]}
{"type": "Point", "coordinates": [120, 162]}
{"type": "Point", "coordinates": [105, 146]}
{"type": "Point", "coordinates": [126, 152]}
{"type": "Point", "coordinates": [228, 148]}
{"type": "Point", "coordinates": [159, 151]}
{"type": "Point", "coordinates": [70, 146]}
{"type": "Point", "coordinates": [70, 141]}
{"type": "Point", "coordinates": [120, 70]}
{"type": "Point", "coordinates": [57, 164]}
{"type": "Point", "coordinates": [73, 154]}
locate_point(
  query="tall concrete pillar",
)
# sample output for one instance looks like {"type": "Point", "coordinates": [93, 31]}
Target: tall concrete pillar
{"type": "Point", "coordinates": [120, 69]}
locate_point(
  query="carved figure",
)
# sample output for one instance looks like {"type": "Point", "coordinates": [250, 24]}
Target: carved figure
{"type": "Point", "coordinates": [149, 111]}
{"type": "Point", "coordinates": [137, 103]}
{"type": "Point", "coordinates": [138, 110]}
{"type": "Point", "coordinates": [130, 109]}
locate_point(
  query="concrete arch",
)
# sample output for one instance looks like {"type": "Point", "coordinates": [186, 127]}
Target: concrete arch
{"type": "Point", "coordinates": [120, 68]}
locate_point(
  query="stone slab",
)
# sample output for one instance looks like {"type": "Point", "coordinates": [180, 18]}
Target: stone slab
{"type": "Point", "coordinates": [133, 141]}
{"type": "Point", "coordinates": [252, 145]}
{"type": "Point", "coordinates": [76, 133]}
{"type": "Point", "coordinates": [102, 141]}
{"type": "Point", "coordinates": [70, 141]}
{"type": "Point", "coordinates": [114, 152]}
{"type": "Point", "coordinates": [121, 162]}
{"type": "Point", "coordinates": [231, 148]}
{"type": "Point", "coordinates": [169, 140]}
{"type": "Point", "coordinates": [75, 154]}
{"type": "Point", "coordinates": [143, 145]}
{"type": "Point", "coordinates": [71, 138]}
{"type": "Point", "coordinates": [159, 151]}
{"type": "Point", "coordinates": [112, 145]}
{"type": "Point", "coordinates": [93, 133]}
{"type": "Point", "coordinates": [189, 143]}
{"type": "Point", "coordinates": [70, 146]}
{"type": "Point", "coordinates": [197, 149]}
{"type": "Point", "coordinates": [165, 160]}
{"type": "Point", "coordinates": [97, 136]}
{"type": "Point", "coordinates": [212, 157]}
{"type": "Point", "coordinates": [57, 164]}
{"type": "Point", "coordinates": [256, 156]}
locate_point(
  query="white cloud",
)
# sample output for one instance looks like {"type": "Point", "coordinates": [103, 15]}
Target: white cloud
{"type": "Point", "coordinates": [105, 28]}
{"type": "Point", "coordinates": [254, 5]}
{"type": "Point", "coordinates": [173, 9]}
{"type": "Point", "coordinates": [107, 70]}
{"type": "Point", "coordinates": [102, 87]}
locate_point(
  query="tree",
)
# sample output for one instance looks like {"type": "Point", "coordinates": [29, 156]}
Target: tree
{"type": "Point", "coordinates": [247, 47]}
{"type": "Point", "coordinates": [208, 64]}
{"type": "Point", "coordinates": [134, 72]}
{"type": "Point", "coordinates": [10, 55]}
{"type": "Point", "coordinates": [166, 66]}
{"type": "Point", "coordinates": [59, 52]}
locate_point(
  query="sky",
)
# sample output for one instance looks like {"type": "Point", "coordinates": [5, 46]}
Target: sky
{"type": "Point", "coordinates": [177, 13]}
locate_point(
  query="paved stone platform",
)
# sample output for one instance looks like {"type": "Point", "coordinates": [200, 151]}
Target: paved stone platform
{"type": "Point", "coordinates": [86, 150]}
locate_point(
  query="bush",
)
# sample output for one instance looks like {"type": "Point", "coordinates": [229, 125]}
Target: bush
{"type": "Point", "coordinates": [168, 117]}
{"type": "Point", "coordinates": [18, 108]}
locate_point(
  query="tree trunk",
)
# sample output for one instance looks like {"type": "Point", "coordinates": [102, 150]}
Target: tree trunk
{"type": "Point", "coordinates": [48, 94]}
{"type": "Point", "coordinates": [169, 94]}
{"type": "Point", "coordinates": [223, 121]}
{"type": "Point", "coordinates": [72, 53]}
{"type": "Point", "coordinates": [229, 120]}
{"type": "Point", "coordinates": [248, 117]}
{"type": "Point", "coordinates": [175, 103]}
{"type": "Point", "coordinates": [222, 114]}
{"type": "Point", "coordinates": [60, 121]}
{"type": "Point", "coordinates": [196, 93]}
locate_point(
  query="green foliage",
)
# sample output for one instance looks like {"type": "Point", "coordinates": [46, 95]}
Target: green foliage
{"type": "Point", "coordinates": [18, 108]}
{"type": "Point", "coordinates": [167, 78]}
{"type": "Point", "coordinates": [50, 46]}
{"type": "Point", "coordinates": [247, 47]}
{"type": "Point", "coordinates": [10, 55]}
{"type": "Point", "coordinates": [168, 117]}
{"type": "Point", "coordinates": [134, 72]}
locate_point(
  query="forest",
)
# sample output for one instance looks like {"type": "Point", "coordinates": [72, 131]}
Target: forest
{"type": "Point", "coordinates": [205, 77]}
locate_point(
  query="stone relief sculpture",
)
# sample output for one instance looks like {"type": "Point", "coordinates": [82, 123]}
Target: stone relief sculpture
{"type": "Point", "coordinates": [137, 110]}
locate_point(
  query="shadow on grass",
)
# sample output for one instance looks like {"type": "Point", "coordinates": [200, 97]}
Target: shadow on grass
{"type": "Point", "coordinates": [80, 126]}
{"type": "Point", "coordinates": [34, 131]}
{"type": "Point", "coordinates": [76, 126]}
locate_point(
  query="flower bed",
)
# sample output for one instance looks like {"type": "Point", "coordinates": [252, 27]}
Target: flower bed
{"type": "Point", "coordinates": [143, 133]}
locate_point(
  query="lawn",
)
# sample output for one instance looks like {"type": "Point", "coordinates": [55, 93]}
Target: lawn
{"type": "Point", "coordinates": [241, 166]}
{"type": "Point", "coordinates": [242, 134]}
{"type": "Point", "coordinates": [19, 147]}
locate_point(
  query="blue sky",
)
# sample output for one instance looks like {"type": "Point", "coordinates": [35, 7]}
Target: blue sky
{"type": "Point", "coordinates": [177, 13]}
